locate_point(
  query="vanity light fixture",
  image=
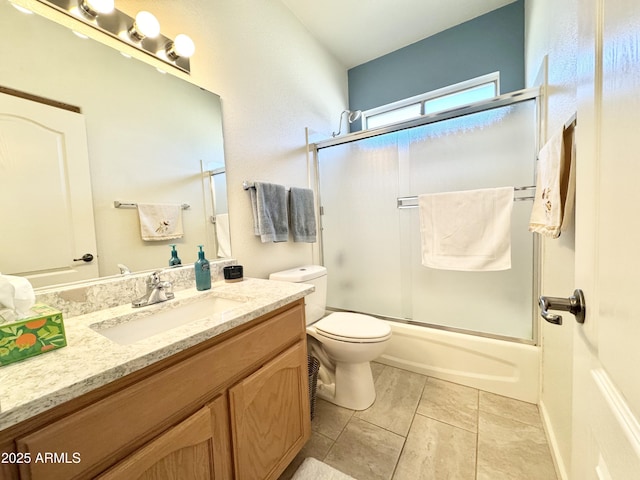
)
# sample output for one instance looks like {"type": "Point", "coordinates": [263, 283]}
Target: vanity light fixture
{"type": "Point", "coordinates": [182, 46]}
{"type": "Point", "coordinates": [141, 32]}
{"type": "Point", "coordinates": [93, 8]}
{"type": "Point", "coordinates": [145, 25]}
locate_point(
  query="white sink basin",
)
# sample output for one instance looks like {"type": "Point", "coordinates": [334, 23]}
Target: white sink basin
{"type": "Point", "coordinates": [143, 323]}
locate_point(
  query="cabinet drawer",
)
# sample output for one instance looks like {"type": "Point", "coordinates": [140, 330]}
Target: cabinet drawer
{"type": "Point", "coordinates": [112, 428]}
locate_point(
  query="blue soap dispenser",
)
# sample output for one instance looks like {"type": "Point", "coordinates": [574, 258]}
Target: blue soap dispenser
{"type": "Point", "coordinates": [174, 260]}
{"type": "Point", "coordinates": [203, 273]}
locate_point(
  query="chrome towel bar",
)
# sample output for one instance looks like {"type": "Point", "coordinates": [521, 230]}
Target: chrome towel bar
{"type": "Point", "coordinates": [117, 204]}
{"type": "Point", "coordinates": [412, 202]}
{"type": "Point", "coordinates": [247, 185]}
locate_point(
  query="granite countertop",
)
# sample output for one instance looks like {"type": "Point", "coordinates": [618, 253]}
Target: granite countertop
{"type": "Point", "coordinates": [90, 360]}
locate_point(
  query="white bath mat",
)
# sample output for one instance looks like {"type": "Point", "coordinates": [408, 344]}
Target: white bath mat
{"type": "Point", "coordinates": [312, 469]}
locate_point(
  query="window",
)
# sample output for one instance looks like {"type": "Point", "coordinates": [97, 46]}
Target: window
{"type": "Point", "coordinates": [476, 89]}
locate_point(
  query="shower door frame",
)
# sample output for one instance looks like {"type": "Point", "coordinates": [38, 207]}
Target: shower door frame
{"type": "Point", "coordinates": [519, 96]}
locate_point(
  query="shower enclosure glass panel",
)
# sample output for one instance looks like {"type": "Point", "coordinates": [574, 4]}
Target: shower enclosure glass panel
{"type": "Point", "coordinates": [488, 149]}
{"type": "Point", "coordinates": [372, 249]}
{"type": "Point", "coordinates": [361, 230]}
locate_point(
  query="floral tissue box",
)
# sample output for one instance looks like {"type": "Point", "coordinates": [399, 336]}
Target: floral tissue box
{"type": "Point", "coordinates": [39, 333]}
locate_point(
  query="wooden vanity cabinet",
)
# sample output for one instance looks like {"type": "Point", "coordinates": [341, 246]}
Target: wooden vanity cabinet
{"type": "Point", "coordinates": [193, 449]}
{"type": "Point", "coordinates": [269, 416]}
{"type": "Point", "coordinates": [233, 407]}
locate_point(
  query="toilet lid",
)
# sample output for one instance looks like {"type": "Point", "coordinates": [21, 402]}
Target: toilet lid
{"type": "Point", "coordinates": [353, 326]}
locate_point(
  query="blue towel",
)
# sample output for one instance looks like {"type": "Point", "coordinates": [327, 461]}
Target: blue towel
{"type": "Point", "coordinates": [270, 219]}
{"type": "Point", "coordinates": [302, 215]}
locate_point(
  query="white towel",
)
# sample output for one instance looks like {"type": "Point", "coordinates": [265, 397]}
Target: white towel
{"type": "Point", "coordinates": [160, 221]}
{"type": "Point", "coordinates": [223, 235]}
{"type": "Point", "coordinates": [554, 187]}
{"type": "Point", "coordinates": [468, 230]}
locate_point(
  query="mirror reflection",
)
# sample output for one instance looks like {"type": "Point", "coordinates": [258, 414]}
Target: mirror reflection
{"type": "Point", "coordinates": [149, 138]}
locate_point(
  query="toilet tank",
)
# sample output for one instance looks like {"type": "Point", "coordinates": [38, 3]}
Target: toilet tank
{"type": "Point", "coordinates": [316, 302]}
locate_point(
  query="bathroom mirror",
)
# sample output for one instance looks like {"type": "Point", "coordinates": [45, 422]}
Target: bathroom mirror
{"type": "Point", "coordinates": [151, 138]}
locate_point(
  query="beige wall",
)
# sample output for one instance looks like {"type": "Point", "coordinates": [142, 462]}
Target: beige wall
{"type": "Point", "coordinates": [274, 80]}
{"type": "Point", "coordinates": [551, 32]}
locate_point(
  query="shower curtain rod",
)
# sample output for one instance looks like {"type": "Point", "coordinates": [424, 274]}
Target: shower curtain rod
{"type": "Point", "coordinates": [476, 107]}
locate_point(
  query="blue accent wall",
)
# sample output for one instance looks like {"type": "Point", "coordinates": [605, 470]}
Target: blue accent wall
{"type": "Point", "coordinates": [489, 43]}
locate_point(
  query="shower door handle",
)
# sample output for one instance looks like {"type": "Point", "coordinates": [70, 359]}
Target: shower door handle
{"type": "Point", "coordinates": [574, 304]}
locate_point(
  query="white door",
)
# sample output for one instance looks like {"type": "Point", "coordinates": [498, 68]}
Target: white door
{"type": "Point", "coordinates": [45, 194]}
{"type": "Point", "coordinates": [606, 429]}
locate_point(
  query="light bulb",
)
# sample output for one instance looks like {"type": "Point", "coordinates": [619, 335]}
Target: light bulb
{"type": "Point", "coordinates": [182, 46]}
{"type": "Point", "coordinates": [145, 25]}
{"type": "Point", "coordinates": [93, 8]}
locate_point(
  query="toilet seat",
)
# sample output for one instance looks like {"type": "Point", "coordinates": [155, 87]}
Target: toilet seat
{"type": "Point", "coordinates": [353, 328]}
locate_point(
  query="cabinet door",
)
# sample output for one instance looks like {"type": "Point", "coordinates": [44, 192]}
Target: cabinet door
{"type": "Point", "coordinates": [195, 449]}
{"type": "Point", "coordinates": [270, 416]}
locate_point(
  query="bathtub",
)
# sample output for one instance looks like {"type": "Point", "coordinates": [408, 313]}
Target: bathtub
{"type": "Point", "coordinates": [503, 367]}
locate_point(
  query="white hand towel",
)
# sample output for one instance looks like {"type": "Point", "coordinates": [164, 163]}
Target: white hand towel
{"type": "Point", "coordinates": [554, 188]}
{"type": "Point", "coordinates": [160, 221]}
{"type": "Point", "coordinates": [468, 230]}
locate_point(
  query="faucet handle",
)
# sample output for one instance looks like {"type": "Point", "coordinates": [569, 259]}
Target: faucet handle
{"type": "Point", "coordinates": [167, 288]}
{"type": "Point", "coordinates": [153, 279]}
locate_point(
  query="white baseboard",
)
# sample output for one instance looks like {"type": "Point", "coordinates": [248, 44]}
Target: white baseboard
{"type": "Point", "coordinates": [558, 461]}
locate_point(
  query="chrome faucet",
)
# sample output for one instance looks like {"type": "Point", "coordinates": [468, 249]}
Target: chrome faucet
{"type": "Point", "coordinates": [124, 270]}
{"type": "Point", "coordinates": [157, 291]}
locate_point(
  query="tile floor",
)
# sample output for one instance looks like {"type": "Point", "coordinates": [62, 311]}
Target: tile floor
{"type": "Point", "coordinates": [424, 428]}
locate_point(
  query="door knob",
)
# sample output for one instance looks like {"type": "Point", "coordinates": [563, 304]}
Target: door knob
{"type": "Point", "coordinates": [87, 257]}
{"type": "Point", "coordinates": [574, 304]}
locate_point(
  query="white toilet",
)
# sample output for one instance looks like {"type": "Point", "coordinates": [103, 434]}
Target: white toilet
{"type": "Point", "coordinates": [344, 343]}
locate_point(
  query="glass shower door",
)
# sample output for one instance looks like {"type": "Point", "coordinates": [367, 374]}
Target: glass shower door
{"type": "Point", "coordinates": [371, 248]}
{"type": "Point", "coordinates": [489, 149]}
{"type": "Point", "coordinates": [361, 236]}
